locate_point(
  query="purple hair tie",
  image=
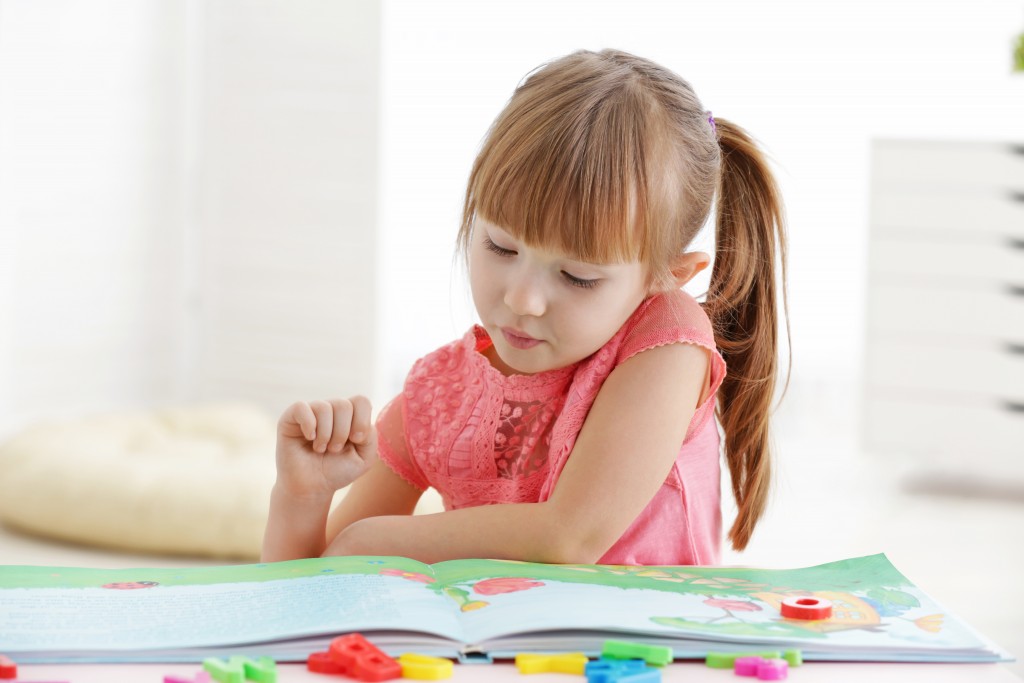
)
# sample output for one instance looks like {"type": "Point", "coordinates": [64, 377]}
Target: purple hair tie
{"type": "Point", "coordinates": [711, 120]}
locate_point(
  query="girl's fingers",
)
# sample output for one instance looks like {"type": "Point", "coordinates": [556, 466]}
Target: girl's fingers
{"type": "Point", "coordinates": [298, 420]}
{"type": "Point", "coordinates": [361, 424]}
{"type": "Point", "coordinates": [342, 415]}
{"type": "Point", "coordinates": [324, 413]}
{"type": "Point", "coordinates": [330, 425]}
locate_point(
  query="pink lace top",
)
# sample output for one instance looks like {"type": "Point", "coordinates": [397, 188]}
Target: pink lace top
{"type": "Point", "coordinates": [480, 437]}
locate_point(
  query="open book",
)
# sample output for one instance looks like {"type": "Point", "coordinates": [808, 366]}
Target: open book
{"type": "Point", "coordinates": [468, 609]}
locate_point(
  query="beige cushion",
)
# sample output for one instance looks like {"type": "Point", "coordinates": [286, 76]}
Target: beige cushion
{"type": "Point", "coordinates": [185, 481]}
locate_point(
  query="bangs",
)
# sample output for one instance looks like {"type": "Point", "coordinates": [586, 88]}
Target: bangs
{"type": "Point", "coordinates": [568, 171]}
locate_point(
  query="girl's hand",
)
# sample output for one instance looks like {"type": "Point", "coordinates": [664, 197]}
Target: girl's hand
{"type": "Point", "coordinates": [323, 446]}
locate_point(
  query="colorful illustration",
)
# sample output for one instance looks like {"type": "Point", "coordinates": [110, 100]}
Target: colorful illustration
{"type": "Point", "coordinates": [736, 596]}
{"type": "Point", "coordinates": [462, 593]}
{"type": "Point", "coordinates": [291, 609]}
{"type": "Point", "coordinates": [412, 576]}
{"type": "Point", "coordinates": [130, 585]}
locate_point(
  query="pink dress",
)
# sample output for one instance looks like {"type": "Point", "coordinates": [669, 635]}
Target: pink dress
{"type": "Point", "coordinates": [480, 437]}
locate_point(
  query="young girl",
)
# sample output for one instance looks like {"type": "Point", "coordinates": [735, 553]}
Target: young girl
{"type": "Point", "coordinates": [576, 423]}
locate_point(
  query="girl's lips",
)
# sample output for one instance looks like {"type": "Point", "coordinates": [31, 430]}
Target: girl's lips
{"type": "Point", "coordinates": [519, 340]}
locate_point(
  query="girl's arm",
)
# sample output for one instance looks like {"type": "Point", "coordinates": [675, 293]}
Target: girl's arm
{"type": "Point", "coordinates": [377, 493]}
{"type": "Point", "coordinates": [322, 447]}
{"type": "Point", "coordinates": [380, 491]}
{"type": "Point", "coordinates": [621, 458]}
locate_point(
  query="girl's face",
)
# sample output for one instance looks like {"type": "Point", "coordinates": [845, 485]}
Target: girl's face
{"type": "Point", "coordinates": [542, 309]}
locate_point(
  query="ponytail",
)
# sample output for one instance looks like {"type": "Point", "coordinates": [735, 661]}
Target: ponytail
{"type": "Point", "coordinates": [742, 305]}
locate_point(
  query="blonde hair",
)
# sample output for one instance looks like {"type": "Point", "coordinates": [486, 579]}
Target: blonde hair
{"type": "Point", "coordinates": [609, 157]}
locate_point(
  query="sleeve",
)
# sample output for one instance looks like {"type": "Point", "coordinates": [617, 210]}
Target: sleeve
{"type": "Point", "coordinates": [676, 318]}
{"type": "Point", "coordinates": [392, 446]}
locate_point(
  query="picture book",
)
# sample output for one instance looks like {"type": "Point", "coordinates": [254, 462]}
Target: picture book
{"type": "Point", "coordinates": [470, 610]}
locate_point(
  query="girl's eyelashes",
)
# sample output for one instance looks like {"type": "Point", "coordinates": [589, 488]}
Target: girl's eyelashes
{"type": "Point", "coordinates": [569, 278]}
{"type": "Point", "coordinates": [500, 251]}
{"type": "Point", "coordinates": [579, 282]}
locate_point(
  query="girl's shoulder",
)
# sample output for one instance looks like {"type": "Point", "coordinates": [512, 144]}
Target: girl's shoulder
{"type": "Point", "coordinates": [666, 318]}
{"type": "Point", "coordinates": [677, 307]}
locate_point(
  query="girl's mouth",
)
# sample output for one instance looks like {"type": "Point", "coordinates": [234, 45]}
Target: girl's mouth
{"type": "Point", "coordinates": [518, 339]}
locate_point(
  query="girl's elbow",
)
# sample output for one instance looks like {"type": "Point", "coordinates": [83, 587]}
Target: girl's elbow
{"type": "Point", "coordinates": [570, 552]}
{"type": "Point", "coordinates": [569, 543]}
{"type": "Point", "coordinates": [580, 556]}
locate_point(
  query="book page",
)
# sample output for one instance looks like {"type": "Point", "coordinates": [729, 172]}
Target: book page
{"type": "Point", "coordinates": [468, 606]}
{"type": "Point", "coordinates": [877, 612]}
{"type": "Point", "coordinates": [49, 609]}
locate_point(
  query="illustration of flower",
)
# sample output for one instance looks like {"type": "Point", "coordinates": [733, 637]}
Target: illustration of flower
{"type": "Point", "coordinates": [412, 576]}
{"type": "Point", "coordinates": [504, 585]}
{"type": "Point", "coordinates": [733, 605]}
{"type": "Point", "coordinates": [931, 623]}
{"type": "Point", "coordinates": [461, 598]}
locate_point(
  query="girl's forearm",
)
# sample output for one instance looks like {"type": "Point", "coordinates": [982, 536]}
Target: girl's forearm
{"type": "Point", "coordinates": [528, 531]}
{"type": "Point", "coordinates": [295, 527]}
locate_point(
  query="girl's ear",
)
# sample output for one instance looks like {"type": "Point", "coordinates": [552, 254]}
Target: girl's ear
{"type": "Point", "coordinates": [686, 266]}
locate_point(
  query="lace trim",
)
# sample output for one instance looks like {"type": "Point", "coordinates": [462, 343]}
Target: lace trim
{"type": "Point", "coordinates": [577, 405]}
{"type": "Point", "coordinates": [460, 493]}
{"type": "Point", "coordinates": [522, 438]}
{"type": "Point", "coordinates": [397, 465]}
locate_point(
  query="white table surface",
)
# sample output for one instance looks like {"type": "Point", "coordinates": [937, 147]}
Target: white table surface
{"type": "Point", "coordinates": [691, 672]}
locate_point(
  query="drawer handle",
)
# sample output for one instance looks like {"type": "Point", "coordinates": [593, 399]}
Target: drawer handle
{"type": "Point", "coordinates": [1014, 406]}
{"type": "Point", "coordinates": [1015, 290]}
{"type": "Point", "coordinates": [1015, 196]}
{"type": "Point", "coordinates": [1015, 242]}
{"type": "Point", "coordinates": [1017, 149]}
{"type": "Point", "coordinates": [1015, 348]}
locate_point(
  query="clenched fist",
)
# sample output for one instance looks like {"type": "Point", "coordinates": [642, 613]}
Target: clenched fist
{"type": "Point", "coordinates": [323, 446]}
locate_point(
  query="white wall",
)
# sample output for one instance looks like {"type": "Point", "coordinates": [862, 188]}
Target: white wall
{"type": "Point", "coordinates": [187, 202]}
{"type": "Point", "coordinates": [285, 289]}
{"type": "Point", "coordinates": [83, 145]}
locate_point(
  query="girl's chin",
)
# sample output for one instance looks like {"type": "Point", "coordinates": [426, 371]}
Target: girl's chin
{"type": "Point", "coordinates": [522, 363]}
{"type": "Point", "coordinates": [512, 361]}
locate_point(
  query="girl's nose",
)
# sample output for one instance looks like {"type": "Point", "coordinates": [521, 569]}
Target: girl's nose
{"type": "Point", "coordinates": [524, 295]}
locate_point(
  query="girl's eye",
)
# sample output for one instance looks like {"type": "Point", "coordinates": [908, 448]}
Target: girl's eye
{"type": "Point", "coordinates": [494, 248]}
{"type": "Point", "coordinates": [571, 279]}
{"type": "Point", "coordinates": [579, 282]}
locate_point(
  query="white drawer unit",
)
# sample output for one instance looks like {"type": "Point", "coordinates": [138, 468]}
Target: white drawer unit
{"type": "Point", "coordinates": [944, 372]}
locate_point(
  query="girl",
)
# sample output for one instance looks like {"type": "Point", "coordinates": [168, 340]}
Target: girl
{"type": "Point", "coordinates": [576, 423]}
